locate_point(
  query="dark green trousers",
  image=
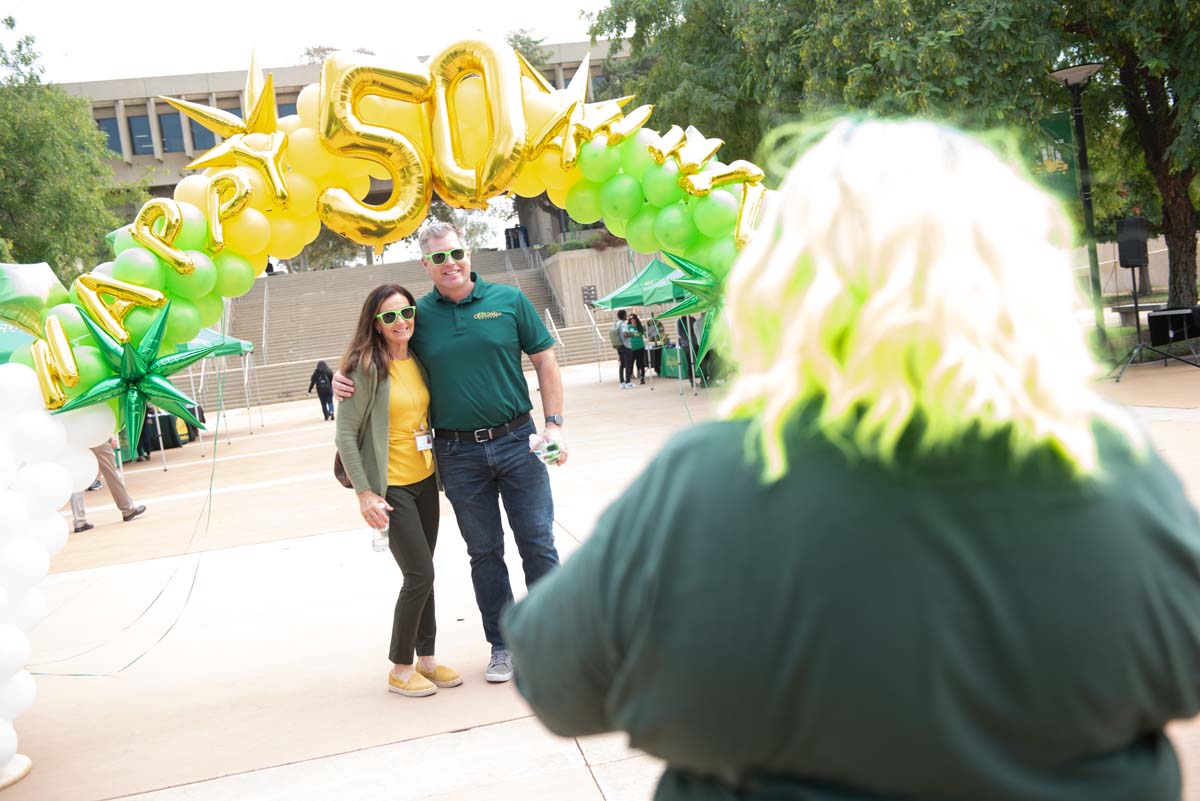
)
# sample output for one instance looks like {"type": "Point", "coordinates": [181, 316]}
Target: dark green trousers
{"type": "Point", "coordinates": [412, 536]}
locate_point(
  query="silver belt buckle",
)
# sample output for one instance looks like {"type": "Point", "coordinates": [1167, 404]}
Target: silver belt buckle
{"type": "Point", "coordinates": [487, 434]}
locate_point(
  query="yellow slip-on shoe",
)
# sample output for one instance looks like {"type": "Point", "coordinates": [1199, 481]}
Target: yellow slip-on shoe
{"type": "Point", "coordinates": [416, 686]}
{"type": "Point", "coordinates": [442, 676]}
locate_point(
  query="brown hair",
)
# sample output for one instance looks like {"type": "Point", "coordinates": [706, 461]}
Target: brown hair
{"type": "Point", "coordinates": [368, 350]}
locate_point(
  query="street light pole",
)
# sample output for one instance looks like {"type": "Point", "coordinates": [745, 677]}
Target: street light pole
{"type": "Point", "coordinates": [1074, 79]}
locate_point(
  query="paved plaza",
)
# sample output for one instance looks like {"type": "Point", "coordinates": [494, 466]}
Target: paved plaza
{"type": "Point", "coordinates": [231, 643]}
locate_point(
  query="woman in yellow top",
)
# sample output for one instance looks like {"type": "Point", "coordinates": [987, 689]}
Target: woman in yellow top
{"type": "Point", "coordinates": [385, 443]}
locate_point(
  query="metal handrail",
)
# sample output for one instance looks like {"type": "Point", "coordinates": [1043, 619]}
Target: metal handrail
{"type": "Point", "coordinates": [266, 315]}
{"type": "Point", "coordinates": [541, 265]}
{"type": "Point", "coordinates": [553, 327]}
{"type": "Point", "coordinates": [599, 341]}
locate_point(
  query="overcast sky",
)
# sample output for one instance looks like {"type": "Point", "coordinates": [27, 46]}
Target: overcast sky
{"type": "Point", "coordinates": [99, 40]}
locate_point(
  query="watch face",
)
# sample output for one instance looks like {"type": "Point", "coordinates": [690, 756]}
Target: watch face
{"type": "Point", "coordinates": [557, 419]}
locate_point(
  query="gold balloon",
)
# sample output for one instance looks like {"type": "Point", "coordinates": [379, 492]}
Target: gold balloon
{"type": "Point", "coordinates": [628, 125]}
{"type": "Point", "coordinates": [666, 144]}
{"type": "Point", "coordinates": [470, 185]}
{"type": "Point", "coordinates": [702, 183]}
{"type": "Point", "coordinates": [91, 288]}
{"type": "Point", "coordinates": [752, 199]}
{"type": "Point", "coordinates": [346, 78]}
{"type": "Point", "coordinates": [695, 150]}
{"type": "Point", "coordinates": [162, 245]}
{"type": "Point", "coordinates": [54, 363]}
{"type": "Point", "coordinates": [237, 187]}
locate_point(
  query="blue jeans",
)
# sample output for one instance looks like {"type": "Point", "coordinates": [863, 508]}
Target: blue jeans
{"type": "Point", "coordinates": [476, 477]}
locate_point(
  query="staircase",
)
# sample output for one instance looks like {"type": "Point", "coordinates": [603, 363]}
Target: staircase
{"type": "Point", "coordinates": [311, 317]}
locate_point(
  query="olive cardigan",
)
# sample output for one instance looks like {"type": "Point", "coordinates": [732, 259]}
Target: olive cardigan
{"type": "Point", "coordinates": [362, 430]}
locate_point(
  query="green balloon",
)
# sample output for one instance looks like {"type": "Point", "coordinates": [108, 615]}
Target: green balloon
{"type": "Point", "coordinates": [583, 202]}
{"type": "Point", "coordinates": [22, 355]}
{"type": "Point", "coordinates": [598, 162]}
{"type": "Point", "coordinates": [639, 233]}
{"type": "Point", "coordinates": [635, 158]}
{"type": "Point", "coordinates": [211, 307]}
{"type": "Point", "coordinates": [700, 252]}
{"type": "Point", "coordinates": [661, 184]}
{"type": "Point", "coordinates": [92, 369]}
{"type": "Point", "coordinates": [235, 275]}
{"type": "Point", "coordinates": [183, 322]}
{"type": "Point", "coordinates": [195, 284]}
{"type": "Point", "coordinates": [616, 226]}
{"type": "Point", "coordinates": [716, 214]}
{"type": "Point", "coordinates": [722, 255]}
{"type": "Point", "coordinates": [122, 241]}
{"type": "Point", "coordinates": [140, 267]}
{"type": "Point", "coordinates": [72, 321]}
{"type": "Point", "coordinates": [674, 228]}
{"type": "Point", "coordinates": [194, 234]}
{"type": "Point", "coordinates": [621, 196]}
{"type": "Point", "coordinates": [137, 321]}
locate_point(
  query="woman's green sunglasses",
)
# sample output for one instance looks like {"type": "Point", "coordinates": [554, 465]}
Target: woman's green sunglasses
{"type": "Point", "coordinates": [390, 316]}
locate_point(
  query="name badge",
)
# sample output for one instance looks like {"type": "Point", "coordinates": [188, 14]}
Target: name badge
{"type": "Point", "coordinates": [425, 442]}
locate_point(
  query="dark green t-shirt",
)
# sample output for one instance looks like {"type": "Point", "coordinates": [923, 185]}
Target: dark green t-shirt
{"type": "Point", "coordinates": [472, 352]}
{"type": "Point", "coordinates": [953, 628]}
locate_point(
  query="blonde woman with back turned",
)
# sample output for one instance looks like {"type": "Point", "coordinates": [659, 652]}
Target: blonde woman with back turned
{"type": "Point", "coordinates": [921, 558]}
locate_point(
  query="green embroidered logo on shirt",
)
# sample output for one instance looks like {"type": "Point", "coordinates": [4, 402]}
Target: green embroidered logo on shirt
{"type": "Point", "coordinates": [487, 315]}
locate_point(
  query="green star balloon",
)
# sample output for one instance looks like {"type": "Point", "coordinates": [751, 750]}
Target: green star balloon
{"type": "Point", "coordinates": [140, 375]}
{"type": "Point", "coordinates": [707, 297]}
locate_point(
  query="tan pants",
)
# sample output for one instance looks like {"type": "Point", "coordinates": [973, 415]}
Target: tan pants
{"type": "Point", "coordinates": [107, 462]}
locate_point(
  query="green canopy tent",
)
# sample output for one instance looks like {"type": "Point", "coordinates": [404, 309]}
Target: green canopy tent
{"type": "Point", "coordinates": [226, 346]}
{"type": "Point", "coordinates": [11, 338]}
{"type": "Point", "coordinates": [651, 287]}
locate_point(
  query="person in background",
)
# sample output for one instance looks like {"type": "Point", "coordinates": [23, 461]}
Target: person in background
{"type": "Point", "coordinates": [322, 379]}
{"type": "Point", "coordinates": [624, 355]}
{"type": "Point", "coordinates": [927, 559]}
{"type": "Point", "coordinates": [106, 461]}
{"type": "Point", "coordinates": [635, 340]}
{"type": "Point", "coordinates": [391, 467]}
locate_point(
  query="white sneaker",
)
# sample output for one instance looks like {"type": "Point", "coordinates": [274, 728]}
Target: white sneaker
{"type": "Point", "coordinates": [499, 669]}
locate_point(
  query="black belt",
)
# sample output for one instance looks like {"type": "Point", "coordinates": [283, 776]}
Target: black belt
{"type": "Point", "coordinates": [481, 435]}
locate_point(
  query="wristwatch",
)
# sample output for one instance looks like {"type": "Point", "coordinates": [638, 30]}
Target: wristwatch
{"type": "Point", "coordinates": [557, 419]}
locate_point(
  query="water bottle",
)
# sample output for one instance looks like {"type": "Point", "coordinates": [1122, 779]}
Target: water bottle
{"type": "Point", "coordinates": [379, 542]}
{"type": "Point", "coordinates": [544, 448]}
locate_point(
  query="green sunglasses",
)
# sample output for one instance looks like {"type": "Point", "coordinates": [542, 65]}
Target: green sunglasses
{"type": "Point", "coordinates": [439, 258]}
{"type": "Point", "coordinates": [390, 316]}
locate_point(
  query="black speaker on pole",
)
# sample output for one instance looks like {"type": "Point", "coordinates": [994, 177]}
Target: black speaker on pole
{"type": "Point", "coordinates": [1131, 242]}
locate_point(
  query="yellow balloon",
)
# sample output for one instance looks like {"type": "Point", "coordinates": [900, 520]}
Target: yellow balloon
{"type": "Point", "coordinates": [539, 106]}
{"type": "Point", "coordinates": [557, 196]}
{"type": "Point", "coordinates": [248, 231]}
{"type": "Point", "coordinates": [289, 124]}
{"type": "Point", "coordinates": [527, 183]}
{"type": "Point", "coordinates": [287, 238]}
{"type": "Point", "coordinates": [550, 171]}
{"type": "Point", "coordinates": [461, 181]}
{"type": "Point", "coordinates": [303, 193]}
{"type": "Point", "coordinates": [471, 115]}
{"type": "Point", "coordinates": [193, 189]}
{"type": "Point", "coordinates": [410, 119]}
{"type": "Point", "coordinates": [310, 228]}
{"type": "Point", "coordinates": [259, 262]}
{"type": "Point", "coordinates": [308, 105]}
{"type": "Point", "coordinates": [307, 155]}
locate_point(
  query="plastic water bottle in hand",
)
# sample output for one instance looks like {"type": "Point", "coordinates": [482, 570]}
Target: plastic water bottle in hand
{"type": "Point", "coordinates": [544, 448]}
{"type": "Point", "coordinates": [380, 541]}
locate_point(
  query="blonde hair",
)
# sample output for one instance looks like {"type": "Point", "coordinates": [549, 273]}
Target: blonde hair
{"type": "Point", "coordinates": [905, 273]}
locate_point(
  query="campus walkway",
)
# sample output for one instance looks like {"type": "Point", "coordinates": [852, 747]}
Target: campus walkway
{"type": "Point", "coordinates": [231, 643]}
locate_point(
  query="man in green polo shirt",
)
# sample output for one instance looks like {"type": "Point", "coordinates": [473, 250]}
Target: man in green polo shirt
{"type": "Point", "coordinates": [470, 338]}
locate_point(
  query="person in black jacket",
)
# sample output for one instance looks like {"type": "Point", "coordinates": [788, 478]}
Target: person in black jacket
{"type": "Point", "coordinates": [322, 379]}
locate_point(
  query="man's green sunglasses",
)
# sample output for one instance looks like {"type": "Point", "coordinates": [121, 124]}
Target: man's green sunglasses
{"type": "Point", "coordinates": [390, 316]}
{"type": "Point", "coordinates": [439, 258]}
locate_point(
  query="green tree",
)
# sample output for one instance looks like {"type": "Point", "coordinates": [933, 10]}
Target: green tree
{"type": "Point", "coordinates": [532, 47]}
{"type": "Point", "coordinates": [57, 195]}
{"type": "Point", "coordinates": [329, 251]}
{"type": "Point", "coordinates": [686, 59]}
{"type": "Point", "coordinates": [315, 54]}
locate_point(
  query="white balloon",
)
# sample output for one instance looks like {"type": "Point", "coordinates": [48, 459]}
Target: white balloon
{"type": "Point", "coordinates": [8, 465]}
{"type": "Point", "coordinates": [8, 742]}
{"type": "Point", "coordinates": [28, 611]}
{"type": "Point", "coordinates": [14, 513]}
{"type": "Point", "coordinates": [50, 531]}
{"type": "Point", "coordinates": [45, 487]}
{"type": "Point", "coordinates": [19, 390]}
{"type": "Point", "coordinates": [4, 610]}
{"type": "Point", "coordinates": [14, 651]}
{"type": "Point", "coordinates": [35, 436]}
{"type": "Point", "coordinates": [80, 463]}
{"type": "Point", "coordinates": [23, 563]}
{"type": "Point", "coordinates": [17, 695]}
{"type": "Point", "coordinates": [89, 426]}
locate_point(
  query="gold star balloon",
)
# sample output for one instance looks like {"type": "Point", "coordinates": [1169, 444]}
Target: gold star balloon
{"type": "Point", "coordinates": [255, 142]}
